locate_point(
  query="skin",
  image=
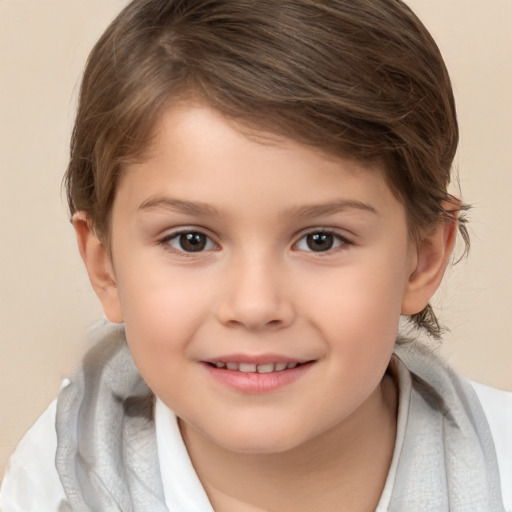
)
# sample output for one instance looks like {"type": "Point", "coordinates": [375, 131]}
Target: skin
{"type": "Point", "coordinates": [258, 289]}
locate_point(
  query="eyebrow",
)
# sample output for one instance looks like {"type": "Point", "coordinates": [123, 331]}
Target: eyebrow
{"type": "Point", "coordinates": [188, 207]}
{"type": "Point", "coordinates": [317, 210]}
{"type": "Point", "coordinates": [203, 209]}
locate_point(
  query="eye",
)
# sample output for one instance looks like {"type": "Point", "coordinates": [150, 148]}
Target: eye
{"type": "Point", "coordinates": [189, 241]}
{"type": "Point", "coordinates": [320, 241]}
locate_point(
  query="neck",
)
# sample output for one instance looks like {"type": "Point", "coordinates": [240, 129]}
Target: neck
{"type": "Point", "coordinates": [347, 464]}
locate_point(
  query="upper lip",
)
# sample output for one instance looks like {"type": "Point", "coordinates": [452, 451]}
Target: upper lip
{"type": "Point", "coordinates": [255, 359]}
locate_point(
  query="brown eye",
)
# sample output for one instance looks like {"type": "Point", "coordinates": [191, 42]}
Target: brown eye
{"type": "Point", "coordinates": [320, 241]}
{"type": "Point", "coordinates": [192, 242]}
{"type": "Point", "coordinates": [189, 241]}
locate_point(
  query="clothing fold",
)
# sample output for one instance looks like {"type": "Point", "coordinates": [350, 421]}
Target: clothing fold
{"type": "Point", "coordinates": [107, 457]}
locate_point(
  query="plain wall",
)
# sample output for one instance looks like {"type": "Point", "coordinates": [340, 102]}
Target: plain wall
{"type": "Point", "coordinates": [46, 302]}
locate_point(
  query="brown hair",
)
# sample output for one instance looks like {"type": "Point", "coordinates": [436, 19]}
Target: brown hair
{"type": "Point", "coordinates": [362, 78]}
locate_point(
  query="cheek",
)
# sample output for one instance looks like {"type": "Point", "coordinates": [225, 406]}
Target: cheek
{"type": "Point", "coordinates": [162, 310]}
{"type": "Point", "coordinates": [364, 297]}
{"type": "Point", "coordinates": [359, 314]}
{"type": "Point", "coordinates": [160, 323]}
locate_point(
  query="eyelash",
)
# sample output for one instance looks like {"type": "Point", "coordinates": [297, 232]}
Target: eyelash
{"type": "Point", "coordinates": [339, 242]}
{"type": "Point", "coordinates": [166, 242]}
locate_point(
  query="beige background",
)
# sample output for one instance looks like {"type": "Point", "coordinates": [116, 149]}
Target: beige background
{"type": "Point", "coordinates": [45, 299]}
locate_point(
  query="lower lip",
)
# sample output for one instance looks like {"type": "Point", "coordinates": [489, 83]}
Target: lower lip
{"type": "Point", "coordinates": [257, 383]}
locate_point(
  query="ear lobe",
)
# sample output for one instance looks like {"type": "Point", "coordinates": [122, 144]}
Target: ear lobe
{"type": "Point", "coordinates": [432, 256]}
{"type": "Point", "coordinates": [99, 267]}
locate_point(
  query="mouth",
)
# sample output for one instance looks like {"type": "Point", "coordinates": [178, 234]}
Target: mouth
{"type": "Point", "coordinates": [257, 375]}
{"type": "Point", "coordinates": [255, 368]}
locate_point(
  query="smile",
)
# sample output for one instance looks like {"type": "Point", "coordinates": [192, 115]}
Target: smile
{"type": "Point", "coordinates": [254, 368]}
{"type": "Point", "coordinates": [261, 375]}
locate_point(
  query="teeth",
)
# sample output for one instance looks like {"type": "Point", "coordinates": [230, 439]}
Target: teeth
{"type": "Point", "coordinates": [254, 368]}
{"type": "Point", "coordinates": [265, 368]}
{"type": "Point", "coordinates": [247, 367]}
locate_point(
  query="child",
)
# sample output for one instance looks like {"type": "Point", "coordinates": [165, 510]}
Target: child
{"type": "Point", "coordinates": [259, 192]}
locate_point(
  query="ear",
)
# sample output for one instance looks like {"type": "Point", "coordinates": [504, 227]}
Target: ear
{"type": "Point", "coordinates": [99, 267]}
{"type": "Point", "coordinates": [431, 259]}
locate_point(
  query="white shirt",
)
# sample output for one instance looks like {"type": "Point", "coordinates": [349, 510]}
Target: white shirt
{"type": "Point", "coordinates": [31, 483]}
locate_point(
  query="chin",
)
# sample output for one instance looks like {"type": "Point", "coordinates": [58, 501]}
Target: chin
{"type": "Point", "coordinates": [260, 439]}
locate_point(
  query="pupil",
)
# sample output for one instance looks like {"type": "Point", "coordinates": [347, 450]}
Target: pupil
{"type": "Point", "coordinates": [192, 242]}
{"type": "Point", "coordinates": [320, 241]}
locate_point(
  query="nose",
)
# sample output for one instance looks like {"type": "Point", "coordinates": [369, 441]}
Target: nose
{"type": "Point", "coordinates": [256, 296]}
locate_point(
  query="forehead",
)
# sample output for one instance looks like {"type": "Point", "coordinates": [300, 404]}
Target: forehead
{"type": "Point", "coordinates": [197, 153]}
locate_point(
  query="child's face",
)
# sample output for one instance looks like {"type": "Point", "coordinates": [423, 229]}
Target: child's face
{"type": "Point", "coordinates": [228, 249]}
